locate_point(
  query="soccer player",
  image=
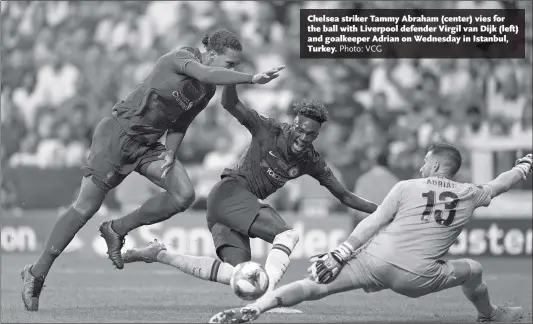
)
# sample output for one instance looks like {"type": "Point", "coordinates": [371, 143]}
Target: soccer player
{"type": "Point", "coordinates": [400, 246]}
{"type": "Point", "coordinates": [179, 87]}
{"type": "Point", "coordinates": [277, 153]}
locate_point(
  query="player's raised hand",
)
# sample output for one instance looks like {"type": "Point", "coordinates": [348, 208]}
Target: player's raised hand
{"type": "Point", "coordinates": [267, 76]}
{"type": "Point", "coordinates": [326, 267]}
{"type": "Point", "coordinates": [526, 163]}
{"type": "Point", "coordinates": [526, 159]}
{"type": "Point", "coordinates": [168, 157]}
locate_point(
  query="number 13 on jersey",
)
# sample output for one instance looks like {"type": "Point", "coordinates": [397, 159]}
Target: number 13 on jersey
{"type": "Point", "coordinates": [450, 204]}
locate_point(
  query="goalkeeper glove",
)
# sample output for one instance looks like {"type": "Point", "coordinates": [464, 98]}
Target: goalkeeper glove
{"type": "Point", "coordinates": [524, 164]}
{"type": "Point", "coordinates": [327, 266]}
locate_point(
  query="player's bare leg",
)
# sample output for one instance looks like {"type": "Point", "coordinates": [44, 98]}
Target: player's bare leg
{"type": "Point", "coordinates": [205, 268]}
{"type": "Point", "coordinates": [475, 289]}
{"type": "Point", "coordinates": [270, 227]}
{"type": "Point", "coordinates": [178, 197]}
{"type": "Point", "coordinates": [69, 223]}
{"type": "Point", "coordinates": [287, 296]}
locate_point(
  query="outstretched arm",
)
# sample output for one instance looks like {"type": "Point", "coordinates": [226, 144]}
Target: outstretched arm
{"type": "Point", "coordinates": [248, 117]}
{"type": "Point", "coordinates": [321, 172]}
{"type": "Point", "coordinates": [216, 75]}
{"type": "Point", "coordinates": [348, 198]}
{"type": "Point", "coordinates": [232, 103]}
{"type": "Point", "coordinates": [327, 266]}
{"type": "Point", "coordinates": [508, 179]}
{"type": "Point", "coordinates": [186, 62]}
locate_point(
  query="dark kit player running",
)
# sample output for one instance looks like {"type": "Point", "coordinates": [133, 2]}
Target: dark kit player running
{"type": "Point", "coordinates": [178, 88]}
{"type": "Point", "coordinates": [277, 153]}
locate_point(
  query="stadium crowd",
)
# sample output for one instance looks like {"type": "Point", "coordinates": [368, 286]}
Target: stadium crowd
{"type": "Point", "coordinates": [65, 64]}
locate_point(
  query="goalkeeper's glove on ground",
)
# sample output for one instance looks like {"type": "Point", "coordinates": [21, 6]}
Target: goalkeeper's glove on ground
{"type": "Point", "coordinates": [327, 266]}
{"type": "Point", "coordinates": [524, 165]}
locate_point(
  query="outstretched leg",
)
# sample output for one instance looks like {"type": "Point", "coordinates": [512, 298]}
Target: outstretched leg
{"type": "Point", "coordinates": [469, 274]}
{"type": "Point", "coordinates": [205, 268]}
{"type": "Point", "coordinates": [179, 195]}
{"type": "Point", "coordinates": [69, 223]}
{"type": "Point", "coordinates": [270, 227]}
{"type": "Point", "coordinates": [290, 295]}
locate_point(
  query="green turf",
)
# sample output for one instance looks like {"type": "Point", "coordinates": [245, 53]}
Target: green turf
{"type": "Point", "coordinates": [90, 290]}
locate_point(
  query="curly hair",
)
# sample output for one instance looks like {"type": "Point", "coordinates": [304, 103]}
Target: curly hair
{"type": "Point", "coordinates": [311, 108]}
{"type": "Point", "coordinates": [221, 40]}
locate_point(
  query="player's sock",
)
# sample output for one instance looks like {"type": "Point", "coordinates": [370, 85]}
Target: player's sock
{"type": "Point", "coordinates": [63, 232]}
{"type": "Point", "coordinates": [205, 268]}
{"type": "Point", "coordinates": [278, 258]}
{"type": "Point", "coordinates": [479, 296]}
{"type": "Point", "coordinates": [156, 209]}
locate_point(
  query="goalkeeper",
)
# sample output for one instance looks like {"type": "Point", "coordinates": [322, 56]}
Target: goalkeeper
{"type": "Point", "coordinates": [400, 245]}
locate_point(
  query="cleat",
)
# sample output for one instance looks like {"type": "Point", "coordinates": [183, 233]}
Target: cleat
{"type": "Point", "coordinates": [147, 254]}
{"type": "Point", "coordinates": [31, 290]}
{"type": "Point", "coordinates": [114, 243]}
{"type": "Point", "coordinates": [236, 315]}
{"type": "Point", "coordinates": [504, 314]}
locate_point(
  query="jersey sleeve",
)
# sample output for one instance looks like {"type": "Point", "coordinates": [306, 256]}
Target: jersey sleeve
{"type": "Point", "coordinates": [482, 195]}
{"type": "Point", "coordinates": [255, 121]}
{"type": "Point", "coordinates": [182, 57]}
{"type": "Point", "coordinates": [320, 170]}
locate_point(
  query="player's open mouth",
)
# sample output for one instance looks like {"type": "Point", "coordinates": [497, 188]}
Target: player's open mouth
{"type": "Point", "coordinates": [297, 146]}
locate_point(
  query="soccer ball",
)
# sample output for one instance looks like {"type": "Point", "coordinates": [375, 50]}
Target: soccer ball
{"type": "Point", "coordinates": [249, 281]}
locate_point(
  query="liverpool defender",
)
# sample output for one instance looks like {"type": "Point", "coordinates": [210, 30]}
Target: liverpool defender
{"type": "Point", "coordinates": [178, 88]}
{"type": "Point", "coordinates": [277, 153]}
{"type": "Point", "coordinates": [400, 246]}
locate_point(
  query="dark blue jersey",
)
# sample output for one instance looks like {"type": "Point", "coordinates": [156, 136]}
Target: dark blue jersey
{"type": "Point", "coordinates": [167, 99]}
{"type": "Point", "coordinates": [266, 165]}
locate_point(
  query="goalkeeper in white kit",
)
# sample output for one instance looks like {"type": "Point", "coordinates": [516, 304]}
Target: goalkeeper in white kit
{"type": "Point", "coordinates": [400, 246]}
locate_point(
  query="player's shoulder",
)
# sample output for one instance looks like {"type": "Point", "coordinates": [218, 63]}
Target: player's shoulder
{"type": "Point", "coordinates": [476, 187]}
{"type": "Point", "coordinates": [270, 122]}
{"type": "Point", "coordinates": [186, 52]}
{"type": "Point", "coordinates": [409, 183]}
{"type": "Point", "coordinates": [409, 186]}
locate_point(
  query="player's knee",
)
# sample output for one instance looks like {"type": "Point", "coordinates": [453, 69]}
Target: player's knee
{"type": "Point", "coordinates": [476, 270]}
{"type": "Point", "coordinates": [183, 199]}
{"type": "Point", "coordinates": [87, 208]}
{"type": "Point", "coordinates": [90, 198]}
{"type": "Point", "coordinates": [286, 240]}
{"type": "Point", "coordinates": [234, 255]}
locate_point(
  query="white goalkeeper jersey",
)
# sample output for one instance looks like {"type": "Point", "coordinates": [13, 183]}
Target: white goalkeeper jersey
{"type": "Point", "coordinates": [429, 214]}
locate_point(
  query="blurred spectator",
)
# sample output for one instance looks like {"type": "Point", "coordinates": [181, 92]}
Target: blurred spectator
{"type": "Point", "coordinates": [476, 126]}
{"type": "Point", "coordinates": [384, 78]}
{"type": "Point", "coordinates": [56, 82]}
{"type": "Point", "coordinates": [8, 195]}
{"type": "Point", "coordinates": [383, 118]}
{"type": "Point", "coordinates": [503, 97]}
{"type": "Point", "coordinates": [378, 173]}
{"type": "Point", "coordinates": [456, 83]}
{"type": "Point", "coordinates": [27, 99]}
{"type": "Point", "coordinates": [27, 155]}
{"type": "Point", "coordinates": [523, 128]}
{"type": "Point", "coordinates": [221, 157]}
{"type": "Point", "coordinates": [67, 63]}
{"type": "Point", "coordinates": [12, 127]}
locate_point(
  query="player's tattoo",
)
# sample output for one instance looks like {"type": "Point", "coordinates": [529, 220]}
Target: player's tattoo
{"type": "Point", "coordinates": [450, 206]}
